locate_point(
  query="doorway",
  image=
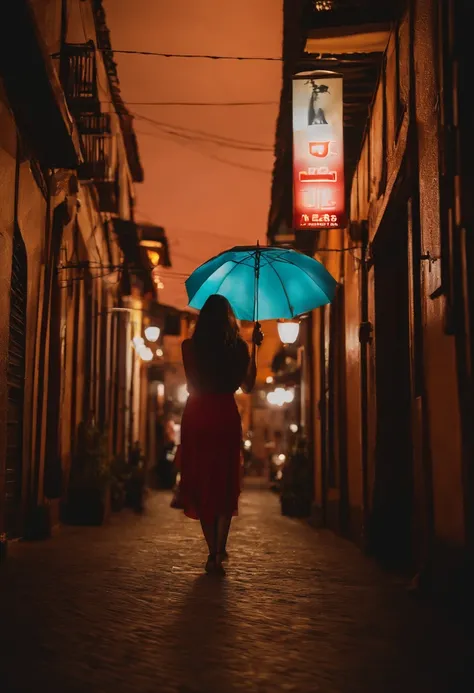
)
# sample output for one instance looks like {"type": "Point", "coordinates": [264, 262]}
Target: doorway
{"type": "Point", "coordinates": [16, 387]}
{"type": "Point", "coordinates": [391, 520]}
{"type": "Point", "coordinates": [336, 474]}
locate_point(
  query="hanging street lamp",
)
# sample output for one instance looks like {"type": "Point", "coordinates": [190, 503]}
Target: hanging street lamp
{"type": "Point", "coordinates": [288, 331]}
{"type": "Point", "coordinates": [152, 333]}
{"type": "Point", "coordinates": [138, 342]}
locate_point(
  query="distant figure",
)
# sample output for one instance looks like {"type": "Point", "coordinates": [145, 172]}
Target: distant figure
{"type": "Point", "coordinates": [217, 362]}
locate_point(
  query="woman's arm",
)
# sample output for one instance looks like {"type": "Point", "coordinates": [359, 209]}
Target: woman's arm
{"type": "Point", "coordinates": [251, 376]}
{"type": "Point", "coordinates": [186, 348]}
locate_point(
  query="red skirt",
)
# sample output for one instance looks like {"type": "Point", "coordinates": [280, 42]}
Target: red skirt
{"type": "Point", "coordinates": [211, 435]}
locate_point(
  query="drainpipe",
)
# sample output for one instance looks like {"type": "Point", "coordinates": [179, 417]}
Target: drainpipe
{"type": "Point", "coordinates": [364, 340]}
{"type": "Point", "coordinates": [64, 22]}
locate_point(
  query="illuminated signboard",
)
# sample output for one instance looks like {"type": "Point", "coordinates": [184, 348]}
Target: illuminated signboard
{"type": "Point", "coordinates": [318, 152]}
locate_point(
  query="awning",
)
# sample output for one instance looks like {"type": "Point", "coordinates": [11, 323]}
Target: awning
{"type": "Point", "coordinates": [135, 256]}
{"type": "Point", "coordinates": [154, 237]}
{"type": "Point", "coordinates": [33, 89]}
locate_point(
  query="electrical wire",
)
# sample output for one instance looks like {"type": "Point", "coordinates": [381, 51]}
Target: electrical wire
{"type": "Point", "coordinates": [229, 145]}
{"type": "Point", "coordinates": [201, 103]}
{"type": "Point", "coordinates": [94, 229]}
{"type": "Point", "coordinates": [246, 167]}
{"type": "Point", "coordinates": [175, 275]}
{"type": "Point", "coordinates": [204, 135]}
{"type": "Point", "coordinates": [194, 56]}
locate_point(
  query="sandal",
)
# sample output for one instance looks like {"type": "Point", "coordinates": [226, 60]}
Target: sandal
{"type": "Point", "coordinates": [219, 567]}
{"type": "Point", "coordinates": [210, 566]}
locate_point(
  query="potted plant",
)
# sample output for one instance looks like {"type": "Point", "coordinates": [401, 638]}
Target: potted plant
{"type": "Point", "coordinates": [88, 497]}
{"type": "Point", "coordinates": [120, 473]}
{"type": "Point", "coordinates": [136, 482]}
{"type": "Point", "coordinates": [297, 483]}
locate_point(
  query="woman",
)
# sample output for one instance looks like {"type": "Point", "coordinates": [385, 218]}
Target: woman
{"type": "Point", "coordinates": [216, 362]}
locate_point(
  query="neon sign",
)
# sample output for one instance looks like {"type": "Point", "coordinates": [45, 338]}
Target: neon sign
{"type": "Point", "coordinates": [318, 151]}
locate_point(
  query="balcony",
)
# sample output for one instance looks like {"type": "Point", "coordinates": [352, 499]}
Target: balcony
{"type": "Point", "coordinates": [94, 123]}
{"type": "Point", "coordinates": [96, 138]}
{"type": "Point", "coordinates": [154, 241]}
{"type": "Point", "coordinates": [108, 194]}
{"type": "Point", "coordinates": [79, 77]}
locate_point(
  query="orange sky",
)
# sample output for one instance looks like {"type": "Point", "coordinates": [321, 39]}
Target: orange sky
{"type": "Point", "coordinates": [200, 191]}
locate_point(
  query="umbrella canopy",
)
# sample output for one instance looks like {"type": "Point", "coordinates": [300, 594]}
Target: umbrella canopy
{"type": "Point", "coordinates": [263, 282]}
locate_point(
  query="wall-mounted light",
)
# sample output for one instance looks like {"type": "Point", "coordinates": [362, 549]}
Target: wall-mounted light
{"type": "Point", "coordinates": [138, 342]}
{"type": "Point", "coordinates": [278, 460]}
{"type": "Point", "coordinates": [145, 353]}
{"type": "Point", "coordinates": [280, 396]}
{"type": "Point", "coordinates": [288, 331]}
{"type": "Point", "coordinates": [152, 333]}
{"type": "Point", "coordinates": [182, 394]}
{"type": "Point", "coordinates": [154, 257]}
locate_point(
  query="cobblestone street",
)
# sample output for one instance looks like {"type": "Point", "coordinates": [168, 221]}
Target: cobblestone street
{"type": "Point", "coordinates": [126, 608]}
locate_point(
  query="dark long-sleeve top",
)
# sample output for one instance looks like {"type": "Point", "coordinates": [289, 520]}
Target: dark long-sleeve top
{"type": "Point", "coordinates": [225, 371]}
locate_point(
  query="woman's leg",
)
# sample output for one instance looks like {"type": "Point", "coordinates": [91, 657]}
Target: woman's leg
{"type": "Point", "coordinates": [223, 527]}
{"type": "Point", "coordinates": [209, 529]}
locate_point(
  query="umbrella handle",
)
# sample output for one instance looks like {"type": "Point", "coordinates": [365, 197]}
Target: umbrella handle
{"type": "Point", "coordinates": [257, 329]}
{"type": "Point", "coordinates": [257, 277]}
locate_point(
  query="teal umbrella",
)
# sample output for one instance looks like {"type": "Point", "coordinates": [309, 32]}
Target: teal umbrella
{"type": "Point", "coordinates": [263, 282]}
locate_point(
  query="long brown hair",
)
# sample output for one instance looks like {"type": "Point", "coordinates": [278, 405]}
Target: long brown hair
{"type": "Point", "coordinates": [215, 336]}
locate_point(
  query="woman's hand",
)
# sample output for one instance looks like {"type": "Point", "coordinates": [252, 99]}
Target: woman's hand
{"type": "Point", "coordinates": [257, 334]}
{"type": "Point", "coordinates": [257, 339]}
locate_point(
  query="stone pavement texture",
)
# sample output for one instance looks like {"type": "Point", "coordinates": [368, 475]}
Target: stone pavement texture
{"type": "Point", "coordinates": [126, 608]}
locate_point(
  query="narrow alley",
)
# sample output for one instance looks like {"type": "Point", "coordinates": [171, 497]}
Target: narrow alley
{"type": "Point", "coordinates": [236, 243]}
{"type": "Point", "coordinates": [126, 607]}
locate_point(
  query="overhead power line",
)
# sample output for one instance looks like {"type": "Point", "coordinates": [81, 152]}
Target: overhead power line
{"type": "Point", "coordinates": [224, 104]}
{"type": "Point", "coordinates": [210, 140]}
{"type": "Point", "coordinates": [171, 128]}
{"type": "Point", "coordinates": [235, 164]}
{"type": "Point", "coordinates": [193, 56]}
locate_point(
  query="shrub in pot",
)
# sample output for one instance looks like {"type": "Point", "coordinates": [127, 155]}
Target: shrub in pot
{"type": "Point", "coordinates": [136, 482]}
{"type": "Point", "coordinates": [88, 498]}
{"type": "Point", "coordinates": [120, 474]}
{"type": "Point", "coordinates": [297, 483]}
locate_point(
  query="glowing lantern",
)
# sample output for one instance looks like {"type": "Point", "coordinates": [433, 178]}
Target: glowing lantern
{"type": "Point", "coordinates": [152, 333]}
{"type": "Point", "coordinates": [280, 396]}
{"type": "Point", "coordinates": [154, 257]}
{"type": "Point", "coordinates": [182, 394]}
{"type": "Point", "coordinates": [288, 331]}
{"type": "Point", "coordinates": [145, 353]}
